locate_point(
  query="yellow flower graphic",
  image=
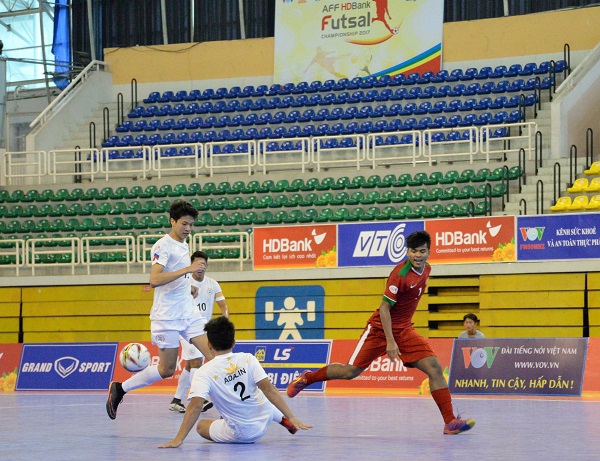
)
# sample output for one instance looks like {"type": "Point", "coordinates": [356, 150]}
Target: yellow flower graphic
{"type": "Point", "coordinates": [327, 258]}
{"type": "Point", "coordinates": [505, 252]}
{"type": "Point", "coordinates": [8, 381]}
{"type": "Point", "coordinates": [424, 387]}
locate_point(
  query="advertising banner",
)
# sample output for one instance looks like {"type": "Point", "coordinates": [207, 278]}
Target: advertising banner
{"type": "Point", "coordinates": [563, 236]}
{"type": "Point", "coordinates": [62, 367]}
{"type": "Point", "coordinates": [285, 360]}
{"type": "Point", "coordinates": [374, 244]}
{"type": "Point", "coordinates": [385, 375]}
{"type": "Point", "coordinates": [472, 240]}
{"type": "Point", "coordinates": [540, 366]}
{"type": "Point", "coordinates": [10, 356]}
{"type": "Point", "coordinates": [295, 247]}
{"type": "Point", "coordinates": [290, 312]}
{"type": "Point", "coordinates": [335, 39]}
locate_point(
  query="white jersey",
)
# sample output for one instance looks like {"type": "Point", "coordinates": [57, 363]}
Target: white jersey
{"type": "Point", "coordinates": [207, 292]}
{"type": "Point", "coordinates": [229, 381]}
{"type": "Point", "coordinates": [172, 301]}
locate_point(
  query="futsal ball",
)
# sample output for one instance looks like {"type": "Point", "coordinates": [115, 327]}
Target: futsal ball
{"type": "Point", "coordinates": [135, 357]}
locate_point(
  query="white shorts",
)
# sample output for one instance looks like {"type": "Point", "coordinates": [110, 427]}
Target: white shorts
{"type": "Point", "coordinates": [189, 351]}
{"type": "Point", "coordinates": [165, 333]}
{"type": "Point", "coordinates": [221, 432]}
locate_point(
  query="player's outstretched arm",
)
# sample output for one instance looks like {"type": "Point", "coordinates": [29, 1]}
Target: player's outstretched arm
{"type": "Point", "coordinates": [192, 413]}
{"type": "Point", "coordinates": [276, 399]}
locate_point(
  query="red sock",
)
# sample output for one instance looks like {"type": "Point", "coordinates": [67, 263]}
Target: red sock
{"type": "Point", "coordinates": [444, 402]}
{"type": "Point", "coordinates": [317, 376]}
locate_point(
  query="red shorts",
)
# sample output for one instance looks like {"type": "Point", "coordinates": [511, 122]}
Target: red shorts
{"type": "Point", "coordinates": [373, 344]}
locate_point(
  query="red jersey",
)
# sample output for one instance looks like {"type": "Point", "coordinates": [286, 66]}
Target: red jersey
{"type": "Point", "coordinates": [403, 291]}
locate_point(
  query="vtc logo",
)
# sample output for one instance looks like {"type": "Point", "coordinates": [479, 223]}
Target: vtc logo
{"type": "Point", "coordinates": [479, 356]}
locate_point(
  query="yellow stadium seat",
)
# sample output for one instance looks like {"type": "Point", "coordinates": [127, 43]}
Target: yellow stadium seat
{"type": "Point", "coordinates": [578, 203]}
{"type": "Point", "coordinates": [594, 186]}
{"type": "Point", "coordinates": [561, 204]}
{"type": "Point", "coordinates": [593, 204]}
{"type": "Point", "coordinates": [593, 169]}
{"type": "Point", "coordinates": [579, 186]}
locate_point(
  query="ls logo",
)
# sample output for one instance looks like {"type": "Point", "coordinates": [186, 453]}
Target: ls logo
{"type": "Point", "coordinates": [479, 356]}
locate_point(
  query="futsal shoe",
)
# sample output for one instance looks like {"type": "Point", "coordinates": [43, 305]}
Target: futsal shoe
{"type": "Point", "coordinates": [288, 425]}
{"type": "Point", "coordinates": [176, 405]}
{"type": "Point", "coordinates": [207, 405]}
{"type": "Point", "coordinates": [456, 426]}
{"type": "Point", "coordinates": [297, 385]}
{"type": "Point", "coordinates": [115, 397]}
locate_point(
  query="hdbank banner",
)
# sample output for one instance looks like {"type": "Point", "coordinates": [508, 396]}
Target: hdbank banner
{"type": "Point", "coordinates": [374, 244]}
{"type": "Point", "coordinates": [60, 367]}
{"type": "Point", "coordinates": [541, 366]}
{"type": "Point", "coordinates": [295, 247]}
{"type": "Point", "coordinates": [563, 236]}
{"type": "Point", "coordinates": [334, 39]}
{"type": "Point", "coordinates": [472, 240]}
{"type": "Point", "coordinates": [10, 355]}
{"type": "Point", "coordinates": [284, 361]}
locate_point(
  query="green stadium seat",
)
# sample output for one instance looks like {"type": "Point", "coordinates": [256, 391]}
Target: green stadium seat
{"type": "Point", "coordinates": [371, 197]}
{"type": "Point", "coordinates": [341, 183]}
{"type": "Point", "coordinates": [294, 200]}
{"type": "Point", "coordinates": [235, 203]}
{"type": "Point", "coordinates": [515, 172]}
{"type": "Point", "coordinates": [308, 216]}
{"type": "Point", "coordinates": [30, 196]}
{"type": "Point", "coordinates": [267, 186]}
{"type": "Point", "coordinates": [4, 195]}
{"type": "Point", "coordinates": [293, 217]}
{"type": "Point", "coordinates": [325, 184]}
{"type": "Point", "coordinates": [357, 213]}
{"type": "Point", "coordinates": [222, 203]}
{"type": "Point", "coordinates": [418, 195]}
{"type": "Point", "coordinates": [179, 190]}
{"type": "Point", "coordinates": [339, 198]}
{"type": "Point", "coordinates": [85, 225]}
{"type": "Point", "coordinates": [264, 202]}
{"type": "Point", "coordinates": [402, 196]}
{"type": "Point", "coordinates": [280, 216]}
{"type": "Point", "coordinates": [267, 215]}
{"type": "Point", "coordinates": [417, 212]}
{"type": "Point", "coordinates": [356, 197]}
{"type": "Point", "coordinates": [417, 179]}
{"type": "Point", "coordinates": [310, 185]}
{"type": "Point", "coordinates": [92, 194]}
{"type": "Point", "coordinates": [433, 211]}
{"type": "Point", "coordinates": [386, 213]}
{"type": "Point", "coordinates": [237, 187]}
{"type": "Point", "coordinates": [135, 192]}
{"type": "Point", "coordinates": [357, 182]}
{"type": "Point", "coordinates": [255, 219]}
{"type": "Point", "coordinates": [60, 195]}
{"type": "Point", "coordinates": [433, 179]}
{"type": "Point", "coordinates": [75, 195]}
{"type": "Point", "coordinates": [386, 197]}
{"type": "Point", "coordinates": [482, 208]}
{"type": "Point", "coordinates": [3, 211]}
{"type": "Point", "coordinates": [148, 192]}
{"type": "Point", "coordinates": [281, 186]}
{"type": "Point", "coordinates": [340, 215]}
{"type": "Point", "coordinates": [434, 194]}
{"type": "Point", "coordinates": [120, 193]}
{"type": "Point", "coordinates": [251, 187]}
{"type": "Point", "coordinates": [499, 190]}
{"type": "Point", "coordinates": [450, 177]}
{"type": "Point", "coordinates": [133, 207]}
{"type": "Point", "coordinates": [163, 191]}
{"type": "Point", "coordinates": [388, 180]}
{"type": "Point", "coordinates": [482, 190]}
{"type": "Point", "coordinates": [449, 193]}
{"type": "Point", "coordinates": [309, 199]}
{"type": "Point", "coordinates": [482, 175]}
{"type": "Point", "coordinates": [465, 176]}
{"type": "Point", "coordinates": [498, 174]}
{"type": "Point", "coordinates": [324, 199]}
{"type": "Point", "coordinates": [454, 209]}
{"type": "Point", "coordinates": [118, 208]}
{"type": "Point", "coordinates": [28, 225]}
{"type": "Point", "coordinates": [160, 222]}
{"type": "Point", "coordinates": [16, 196]}
{"type": "Point", "coordinates": [279, 201]}
{"type": "Point", "coordinates": [296, 185]}
{"type": "Point", "coordinates": [466, 192]}
{"type": "Point", "coordinates": [224, 187]}
{"type": "Point", "coordinates": [325, 214]}
{"type": "Point", "coordinates": [130, 222]}
{"type": "Point", "coordinates": [250, 202]}
{"type": "Point", "coordinates": [31, 210]}
{"type": "Point", "coordinates": [373, 181]}
{"type": "Point", "coordinates": [103, 208]}
{"type": "Point", "coordinates": [404, 178]}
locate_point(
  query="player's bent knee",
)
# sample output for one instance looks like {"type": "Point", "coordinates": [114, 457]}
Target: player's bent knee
{"type": "Point", "coordinates": [166, 372]}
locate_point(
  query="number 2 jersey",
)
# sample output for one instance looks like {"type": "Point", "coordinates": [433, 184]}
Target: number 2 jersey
{"type": "Point", "coordinates": [230, 382]}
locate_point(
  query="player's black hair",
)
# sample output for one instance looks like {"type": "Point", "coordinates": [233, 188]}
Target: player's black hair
{"type": "Point", "coordinates": [221, 333]}
{"type": "Point", "coordinates": [471, 316]}
{"type": "Point", "coordinates": [418, 238]}
{"type": "Point", "coordinates": [181, 208]}
{"type": "Point", "coordinates": [200, 254]}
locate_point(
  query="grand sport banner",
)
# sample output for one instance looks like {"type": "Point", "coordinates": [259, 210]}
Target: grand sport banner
{"type": "Point", "coordinates": [522, 366]}
{"type": "Point", "coordinates": [334, 39]}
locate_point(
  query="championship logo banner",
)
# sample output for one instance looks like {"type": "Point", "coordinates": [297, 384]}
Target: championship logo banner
{"type": "Point", "coordinates": [472, 240]}
{"type": "Point", "coordinates": [564, 236]}
{"type": "Point", "coordinates": [335, 39]}
{"type": "Point", "coordinates": [523, 366]}
{"type": "Point", "coordinates": [374, 244]}
{"type": "Point", "coordinates": [284, 361]}
{"type": "Point", "coordinates": [295, 247]}
{"type": "Point", "coordinates": [61, 367]}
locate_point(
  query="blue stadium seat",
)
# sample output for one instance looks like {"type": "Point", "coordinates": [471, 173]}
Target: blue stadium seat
{"type": "Point", "coordinates": [469, 74]}
{"type": "Point", "coordinates": [137, 112]}
{"type": "Point", "coordinates": [438, 107]}
{"type": "Point", "coordinates": [152, 97]}
{"type": "Point", "coordinates": [468, 104]}
{"type": "Point", "coordinates": [408, 109]}
{"type": "Point", "coordinates": [306, 116]}
{"type": "Point", "coordinates": [483, 104]}
{"type": "Point", "coordinates": [454, 75]}
{"type": "Point", "coordinates": [453, 121]}
{"type": "Point", "coordinates": [399, 94]}
{"type": "Point", "coordinates": [260, 90]}
{"type": "Point", "coordinates": [193, 95]}
{"type": "Point", "coordinates": [440, 76]}
{"type": "Point", "coordinates": [382, 81]}
{"type": "Point", "coordinates": [165, 97]}
{"type": "Point", "coordinates": [513, 71]}
{"type": "Point", "coordinates": [498, 72]}
{"type": "Point", "coordinates": [484, 73]}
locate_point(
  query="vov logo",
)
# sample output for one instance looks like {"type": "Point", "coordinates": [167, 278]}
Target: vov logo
{"type": "Point", "coordinates": [532, 233]}
{"type": "Point", "coordinates": [479, 356]}
{"type": "Point", "coordinates": [66, 366]}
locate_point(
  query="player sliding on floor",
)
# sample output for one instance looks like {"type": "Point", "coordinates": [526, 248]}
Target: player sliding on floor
{"type": "Point", "coordinates": [241, 392]}
{"type": "Point", "coordinates": [390, 330]}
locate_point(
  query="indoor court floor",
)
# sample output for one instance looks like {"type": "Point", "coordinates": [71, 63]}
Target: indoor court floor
{"type": "Point", "coordinates": [67, 426]}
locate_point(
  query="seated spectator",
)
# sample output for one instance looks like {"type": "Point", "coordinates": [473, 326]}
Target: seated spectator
{"type": "Point", "coordinates": [470, 322]}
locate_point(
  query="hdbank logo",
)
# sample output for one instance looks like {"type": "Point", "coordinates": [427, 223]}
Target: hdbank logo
{"type": "Point", "coordinates": [374, 244]}
{"type": "Point", "coordinates": [477, 357]}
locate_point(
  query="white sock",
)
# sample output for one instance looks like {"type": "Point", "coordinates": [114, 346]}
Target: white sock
{"type": "Point", "coordinates": [183, 385]}
{"type": "Point", "coordinates": [277, 415]}
{"type": "Point", "coordinates": [192, 371]}
{"type": "Point", "coordinates": [144, 378]}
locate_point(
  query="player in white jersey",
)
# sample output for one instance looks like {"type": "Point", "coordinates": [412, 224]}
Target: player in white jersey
{"type": "Point", "coordinates": [208, 292]}
{"type": "Point", "coordinates": [240, 390]}
{"type": "Point", "coordinates": [173, 312]}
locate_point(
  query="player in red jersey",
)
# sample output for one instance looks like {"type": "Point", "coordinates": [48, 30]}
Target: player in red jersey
{"type": "Point", "coordinates": [390, 330]}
